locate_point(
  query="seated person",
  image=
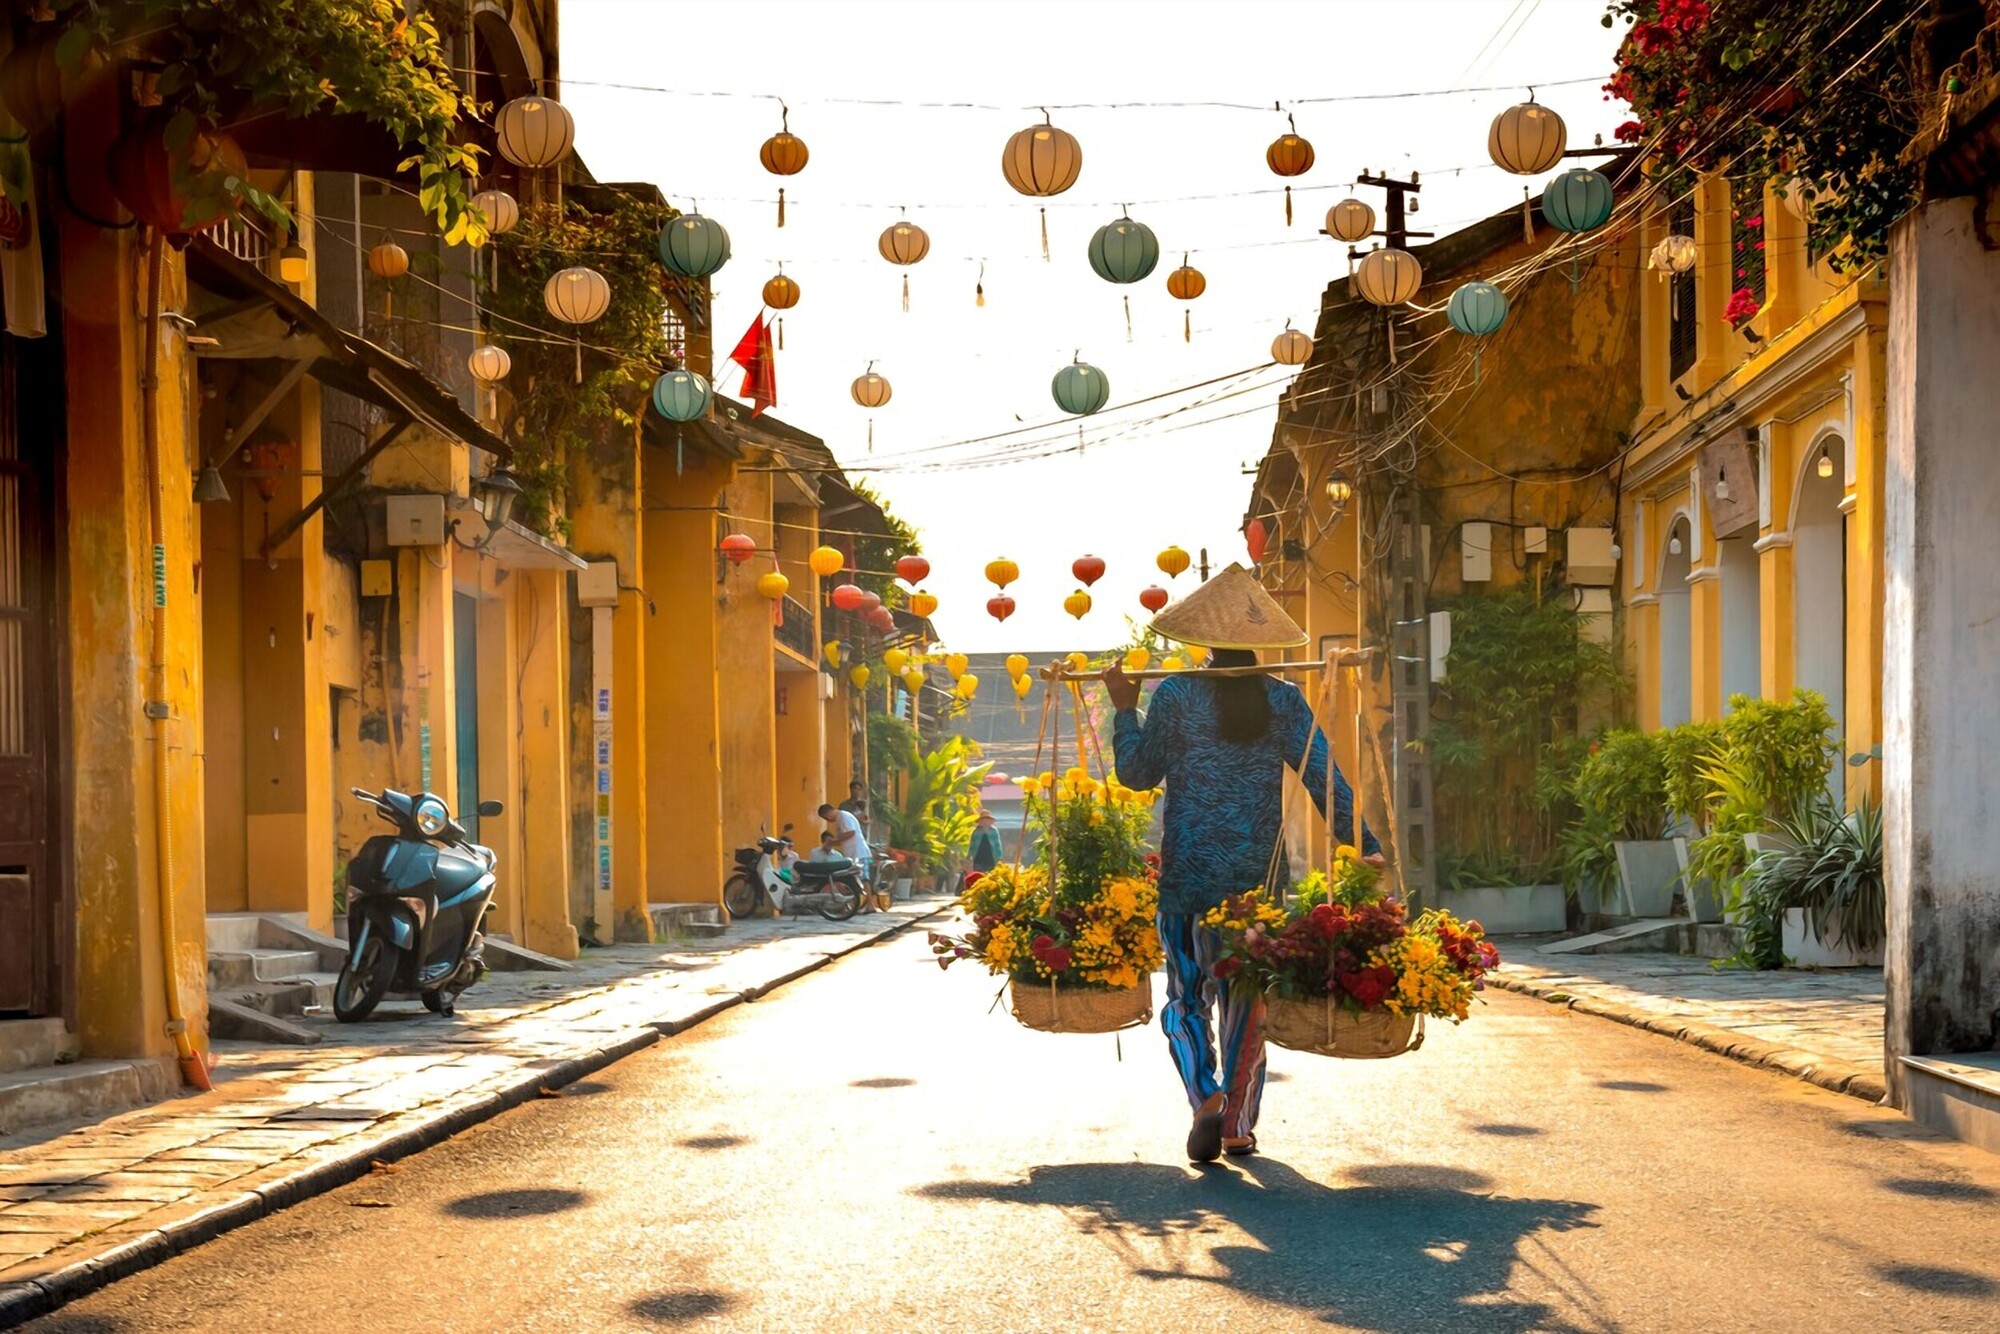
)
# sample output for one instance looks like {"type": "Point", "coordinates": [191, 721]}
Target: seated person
{"type": "Point", "coordinates": [826, 851]}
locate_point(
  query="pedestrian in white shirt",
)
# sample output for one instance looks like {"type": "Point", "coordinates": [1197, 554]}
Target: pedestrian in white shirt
{"type": "Point", "coordinates": [846, 831]}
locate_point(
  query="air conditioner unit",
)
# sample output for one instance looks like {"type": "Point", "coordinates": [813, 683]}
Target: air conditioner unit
{"type": "Point", "coordinates": [597, 584]}
{"type": "Point", "coordinates": [1591, 562]}
{"type": "Point", "coordinates": [416, 521]}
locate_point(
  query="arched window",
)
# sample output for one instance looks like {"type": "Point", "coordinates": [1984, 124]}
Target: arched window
{"type": "Point", "coordinates": [1819, 575]}
{"type": "Point", "coordinates": [1676, 627]}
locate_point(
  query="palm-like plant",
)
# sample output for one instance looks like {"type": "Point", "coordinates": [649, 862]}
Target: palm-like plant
{"type": "Point", "coordinates": [1831, 868]}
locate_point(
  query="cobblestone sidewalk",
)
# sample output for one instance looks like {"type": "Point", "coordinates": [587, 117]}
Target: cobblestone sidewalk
{"type": "Point", "coordinates": [83, 1205]}
{"type": "Point", "coordinates": [1823, 1027]}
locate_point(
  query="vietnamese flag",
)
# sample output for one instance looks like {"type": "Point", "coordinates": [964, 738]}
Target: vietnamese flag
{"type": "Point", "coordinates": [760, 365]}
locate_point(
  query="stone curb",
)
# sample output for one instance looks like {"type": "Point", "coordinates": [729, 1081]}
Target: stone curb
{"type": "Point", "coordinates": [22, 1302]}
{"type": "Point", "coordinates": [1835, 1076]}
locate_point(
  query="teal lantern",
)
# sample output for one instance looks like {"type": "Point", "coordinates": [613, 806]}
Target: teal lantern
{"type": "Point", "coordinates": [681, 396]}
{"type": "Point", "coordinates": [693, 246]}
{"type": "Point", "coordinates": [1477, 309]}
{"type": "Point", "coordinates": [1124, 251]}
{"type": "Point", "coordinates": [1080, 389]}
{"type": "Point", "coordinates": [1579, 200]}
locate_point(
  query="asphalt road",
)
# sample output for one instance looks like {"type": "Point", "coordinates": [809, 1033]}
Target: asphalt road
{"type": "Point", "coordinates": [871, 1149]}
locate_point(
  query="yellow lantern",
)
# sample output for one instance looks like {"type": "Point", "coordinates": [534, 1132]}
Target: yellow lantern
{"type": "Point", "coordinates": [1136, 659]}
{"type": "Point", "coordinates": [1077, 604]}
{"type": "Point", "coordinates": [1291, 348]}
{"type": "Point", "coordinates": [913, 679]}
{"type": "Point", "coordinates": [1002, 572]}
{"type": "Point", "coordinates": [922, 603]}
{"type": "Point", "coordinates": [825, 561]}
{"type": "Point", "coordinates": [1079, 663]}
{"type": "Point", "coordinates": [1023, 683]}
{"type": "Point", "coordinates": [1173, 663]}
{"type": "Point", "coordinates": [781, 293]}
{"type": "Point", "coordinates": [1388, 277]}
{"type": "Point", "coordinates": [967, 687]}
{"type": "Point", "coordinates": [1185, 284]}
{"type": "Point", "coordinates": [1017, 665]}
{"type": "Point", "coordinates": [1527, 139]}
{"type": "Point", "coordinates": [1173, 562]}
{"type": "Point", "coordinates": [832, 650]}
{"type": "Point", "coordinates": [1196, 654]}
{"type": "Point", "coordinates": [956, 664]}
{"type": "Point", "coordinates": [859, 676]}
{"type": "Point", "coordinates": [388, 260]}
{"type": "Point", "coordinates": [1350, 220]}
{"type": "Point", "coordinates": [773, 585]}
{"type": "Point", "coordinates": [895, 659]}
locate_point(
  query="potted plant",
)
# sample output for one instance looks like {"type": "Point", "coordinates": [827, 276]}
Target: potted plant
{"type": "Point", "coordinates": [1820, 900]}
{"type": "Point", "coordinates": [1073, 934]}
{"type": "Point", "coordinates": [1509, 897]}
{"type": "Point", "coordinates": [1763, 766]}
{"type": "Point", "coordinates": [1622, 785]}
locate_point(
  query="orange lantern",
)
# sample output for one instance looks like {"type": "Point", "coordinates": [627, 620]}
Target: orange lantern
{"type": "Point", "coordinates": [1002, 572]}
{"type": "Point", "coordinates": [847, 597]}
{"type": "Point", "coordinates": [783, 154]}
{"type": "Point", "coordinates": [1000, 608]}
{"type": "Point", "coordinates": [781, 293]}
{"type": "Point", "coordinates": [1185, 284]}
{"type": "Point", "coordinates": [1077, 604]}
{"type": "Point", "coordinates": [1152, 597]}
{"type": "Point", "coordinates": [153, 181]}
{"type": "Point", "coordinates": [825, 561]}
{"type": "Point", "coordinates": [1042, 161]}
{"type": "Point", "coordinates": [903, 244]}
{"type": "Point", "coordinates": [1289, 155]}
{"type": "Point", "coordinates": [912, 569]}
{"type": "Point", "coordinates": [1173, 562]}
{"type": "Point", "coordinates": [739, 547]}
{"type": "Point", "coordinates": [923, 604]}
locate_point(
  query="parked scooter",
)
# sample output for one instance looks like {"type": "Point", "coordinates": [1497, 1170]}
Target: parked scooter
{"type": "Point", "coordinates": [417, 900]}
{"type": "Point", "coordinates": [771, 874]}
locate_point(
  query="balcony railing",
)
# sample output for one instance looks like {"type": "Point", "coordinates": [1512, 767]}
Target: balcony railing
{"type": "Point", "coordinates": [796, 633]}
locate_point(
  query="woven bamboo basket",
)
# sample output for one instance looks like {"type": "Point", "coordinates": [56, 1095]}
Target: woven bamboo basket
{"type": "Point", "coordinates": [1053, 1009]}
{"type": "Point", "coordinates": [1327, 1029]}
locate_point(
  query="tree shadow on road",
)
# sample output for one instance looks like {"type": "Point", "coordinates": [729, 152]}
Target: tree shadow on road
{"type": "Point", "coordinates": [1404, 1246]}
{"type": "Point", "coordinates": [516, 1203]}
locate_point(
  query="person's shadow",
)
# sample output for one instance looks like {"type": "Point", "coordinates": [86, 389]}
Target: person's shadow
{"type": "Point", "coordinates": [1406, 1247]}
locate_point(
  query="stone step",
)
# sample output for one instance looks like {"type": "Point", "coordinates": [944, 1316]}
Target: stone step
{"type": "Point", "coordinates": [82, 1090]}
{"type": "Point", "coordinates": [287, 998]}
{"type": "Point", "coordinates": [1652, 935]}
{"type": "Point", "coordinates": [1956, 1095]}
{"type": "Point", "coordinates": [227, 970]}
{"type": "Point", "coordinates": [688, 919]}
{"type": "Point", "coordinates": [28, 1043]}
{"type": "Point", "coordinates": [236, 932]}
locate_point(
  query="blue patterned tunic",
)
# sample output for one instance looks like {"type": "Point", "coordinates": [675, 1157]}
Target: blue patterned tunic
{"type": "Point", "coordinates": [1224, 800]}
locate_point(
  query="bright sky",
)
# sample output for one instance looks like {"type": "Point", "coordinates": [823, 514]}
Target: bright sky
{"type": "Point", "coordinates": [960, 370]}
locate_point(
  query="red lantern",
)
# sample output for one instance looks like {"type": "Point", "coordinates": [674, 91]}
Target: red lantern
{"type": "Point", "coordinates": [1152, 597]}
{"type": "Point", "coordinates": [149, 178]}
{"type": "Point", "coordinates": [912, 570]}
{"type": "Point", "coordinates": [1255, 536]}
{"type": "Point", "coordinates": [1000, 608]}
{"type": "Point", "coordinates": [1087, 569]}
{"type": "Point", "coordinates": [847, 597]}
{"type": "Point", "coordinates": [870, 601]}
{"type": "Point", "coordinates": [739, 547]}
{"type": "Point", "coordinates": [882, 619]}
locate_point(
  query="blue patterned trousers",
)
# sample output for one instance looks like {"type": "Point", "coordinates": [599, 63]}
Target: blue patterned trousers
{"type": "Point", "coordinates": [1192, 991]}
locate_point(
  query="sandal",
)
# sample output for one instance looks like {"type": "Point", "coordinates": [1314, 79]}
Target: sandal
{"type": "Point", "coordinates": [1204, 1141]}
{"type": "Point", "coordinates": [1243, 1150]}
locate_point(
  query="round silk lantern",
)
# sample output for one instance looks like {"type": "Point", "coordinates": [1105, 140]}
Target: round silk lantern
{"type": "Point", "coordinates": [1080, 389]}
{"type": "Point", "coordinates": [773, 585]}
{"type": "Point", "coordinates": [923, 604]}
{"type": "Point", "coordinates": [1477, 309]}
{"type": "Point", "coordinates": [1124, 251]}
{"type": "Point", "coordinates": [1041, 161]}
{"type": "Point", "coordinates": [153, 180]}
{"type": "Point", "coordinates": [1388, 277]}
{"type": "Point", "coordinates": [388, 260]}
{"type": "Point", "coordinates": [1185, 284]}
{"type": "Point", "coordinates": [682, 396]}
{"type": "Point", "coordinates": [1350, 220]}
{"type": "Point", "coordinates": [1077, 604]}
{"type": "Point", "coordinates": [501, 211]}
{"type": "Point", "coordinates": [1291, 348]}
{"type": "Point", "coordinates": [1674, 254]}
{"type": "Point", "coordinates": [1002, 572]}
{"type": "Point", "coordinates": [1087, 569]}
{"type": "Point", "coordinates": [693, 246]}
{"type": "Point", "coordinates": [1173, 562]}
{"type": "Point", "coordinates": [825, 561]}
{"type": "Point", "coordinates": [1579, 200]}
{"type": "Point", "coordinates": [847, 597]}
{"type": "Point", "coordinates": [1000, 608]}
{"type": "Point", "coordinates": [783, 154]}
{"type": "Point", "coordinates": [1527, 139]}
{"type": "Point", "coordinates": [739, 547]}
{"type": "Point", "coordinates": [1152, 597]}
{"type": "Point", "coordinates": [912, 570]}
{"type": "Point", "coordinates": [1290, 154]}
{"type": "Point", "coordinates": [489, 363]}
{"type": "Point", "coordinates": [870, 390]}
{"type": "Point", "coordinates": [781, 293]}
{"type": "Point", "coordinates": [871, 601]}
{"type": "Point", "coordinates": [577, 296]}
{"type": "Point", "coordinates": [904, 244]}
{"type": "Point", "coordinates": [534, 131]}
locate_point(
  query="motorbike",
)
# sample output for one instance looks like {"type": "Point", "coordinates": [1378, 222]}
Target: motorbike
{"type": "Point", "coordinates": [417, 905]}
{"type": "Point", "coordinates": [771, 874]}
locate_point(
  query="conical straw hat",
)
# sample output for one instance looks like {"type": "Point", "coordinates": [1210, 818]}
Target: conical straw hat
{"type": "Point", "coordinates": [1231, 610]}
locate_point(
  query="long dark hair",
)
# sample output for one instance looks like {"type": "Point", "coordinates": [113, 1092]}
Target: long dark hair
{"type": "Point", "coordinates": [1242, 702]}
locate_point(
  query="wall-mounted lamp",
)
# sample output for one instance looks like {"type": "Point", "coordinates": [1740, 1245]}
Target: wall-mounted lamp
{"type": "Point", "coordinates": [1674, 547]}
{"type": "Point", "coordinates": [294, 264]}
{"type": "Point", "coordinates": [1825, 466]}
{"type": "Point", "coordinates": [1721, 484]}
{"type": "Point", "coordinates": [1339, 490]}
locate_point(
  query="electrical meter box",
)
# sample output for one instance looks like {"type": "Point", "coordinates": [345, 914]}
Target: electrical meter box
{"type": "Point", "coordinates": [597, 584]}
{"type": "Point", "coordinates": [1591, 564]}
{"type": "Point", "coordinates": [416, 521]}
{"type": "Point", "coordinates": [378, 578]}
{"type": "Point", "coordinates": [1475, 544]}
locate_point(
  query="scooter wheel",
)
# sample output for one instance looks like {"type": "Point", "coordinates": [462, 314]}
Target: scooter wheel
{"type": "Point", "coordinates": [364, 982]}
{"type": "Point", "coordinates": [840, 902]}
{"type": "Point", "coordinates": [740, 896]}
{"type": "Point", "coordinates": [440, 1004]}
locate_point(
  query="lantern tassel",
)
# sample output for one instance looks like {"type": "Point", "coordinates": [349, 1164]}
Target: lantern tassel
{"type": "Point", "coordinates": [1187, 326]}
{"type": "Point", "coordinates": [979, 294]}
{"type": "Point", "coordinates": [1288, 206]}
{"type": "Point", "coordinates": [1128, 319]}
{"type": "Point", "coordinates": [1475, 363]}
{"type": "Point", "coordinates": [1079, 439]}
{"type": "Point", "coordinates": [781, 206]}
{"type": "Point", "coordinates": [906, 294]}
{"type": "Point", "coordinates": [871, 435]}
{"type": "Point", "coordinates": [1527, 218]}
{"type": "Point", "coordinates": [579, 358]}
{"type": "Point", "coordinates": [781, 333]}
{"type": "Point", "coordinates": [680, 455]}
{"type": "Point", "coordinates": [1045, 233]}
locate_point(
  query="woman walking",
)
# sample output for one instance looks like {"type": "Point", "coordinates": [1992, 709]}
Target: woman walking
{"type": "Point", "coordinates": [1221, 745]}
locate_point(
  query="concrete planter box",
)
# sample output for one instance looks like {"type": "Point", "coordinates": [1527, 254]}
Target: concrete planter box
{"type": "Point", "coordinates": [1508, 910]}
{"type": "Point", "coordinates": [1648, 870]}
{"type": "Point", "coordinates": [902, 890]}
{"type": "Point", "coordinates": [1602, 897]}
{"type": "Point", "coordinates": [1704, 903]}
{"type": "Point", "coordinates": [1807, 950]}
{"type": "Point", "coordinates": [1755, 846]}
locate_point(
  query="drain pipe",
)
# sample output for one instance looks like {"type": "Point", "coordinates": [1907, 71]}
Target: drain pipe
{"type": "Point", "coordinates": [194, 1070]}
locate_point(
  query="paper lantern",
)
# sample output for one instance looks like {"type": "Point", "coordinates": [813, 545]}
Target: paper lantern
{"type": "Point", "coordinates": [1579, 200]}
{"type": "Point", "coordinates": [832, 650]}
{"type": "Point", "coordinates": [923, 604]}
{"type": "Point", "coordinates": [1137, 658]}
{"type": "Point", "coordinates": [912, 569]}
{"type": "Point", "coordinates": [1173, 562]}
{"type": "Point", "coordinates": [489, 363]}
{"type": "Point", "coordinates": [1087, 569]}
{"type": "Point", "coordinates": [1173, 663]}
{"type": "Point", "coordinates": [388, 260]}
{"type": "Point", "coordinates": [913, 679]}
{"type": "Point", "coordinates": [1477, 309]}
{"type": "Point", "coordinates": [870, 390]}
{"type": "Point", "coordinates": [825, 561]}
{"type": "Point", "coordinates": [1124, 251]}
{"type": "Point", "coordinates": [784, 153]}
{"type": "Point", "coordinates": [1023, 685]}
{"type": "Point", "coordinates": [1291, 348]}
{"type": "Point", "coordinates": [956, 664]}
{"type": "Point", "coordinates": [847, 597]}
{"type": "Point", "coordinates": [681, 396]}
{"type": "Point", "coordinates": [781, 293]}
{"type": "Point", "coordinates": [859, 676]}
{"type": "Point", "coordinates": [967, 687]}
{"type": "Point", "coordinates": [1185, 284]}
{"type": "Point", "coordinates": [904, 243]}
{"type": "Point", "coordinates": [895, 659]}
{"type": "Point", "coordinates": [154, 181]}
{"type": "Point", "coordinates": [1080, 389]}
{"type": "Point", "coordinates": [739, 547]}
{"type": "Point", "coordinates": [1000, 608]}
{"type": "Point", "coordinates": [871, 601]}
{"type": "Point", "coordinates": [1289, 155]}
{"type": "Point", "coordinates": [1002, 572]}
{"type": "Point", "coordinates": [577, 296]}
{"type": "Point", "coordinates": [1350, 220]}
{"type": "Point", "coordinates": [1674, 254]}
{"type": "Point", "coordinates": [534, 131]}
{"type": "Point", "coordinates": [882, 620]}
{"type": "Point", "coordinates": [1255, 538]}
{"type": "Point", "coordinates": [1527, 139]}
{"type": "Point", "coordinates": [1196, 653]}
{"type": "Point", "coordinates": [1077, 604]}
{"type": "Point", "coordinates": [1152, 597]}
{"type": "Point", "coordinates": [1017, 664]}
{"type": "Point", "coordinates": [693, 246]}
{"type": "Point", "coordinates": [773, 585]}
{"type": "Point", "coordinates": [1388, 277]}
{"type": "Point", "coordinates": [499, 209]}
{"type": "Point", "coordinates": [1041, 160]}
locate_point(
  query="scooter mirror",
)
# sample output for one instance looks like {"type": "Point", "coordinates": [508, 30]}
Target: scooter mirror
{"type": "Point", "coordinates": [489, 809]}
{"type": "Point", "coordinates": [787, 829]}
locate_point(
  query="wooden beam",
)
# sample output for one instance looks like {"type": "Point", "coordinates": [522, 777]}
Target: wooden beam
{"type": "Point", "coordinates": [284, 530]}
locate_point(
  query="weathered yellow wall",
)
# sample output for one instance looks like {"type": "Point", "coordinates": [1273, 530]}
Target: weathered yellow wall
{"type": "Point", "coordinates": [745, 661]}
{"type": "Point", "coordinates": [500, 741]}
{"type": "Point", "coordinates": [538, 601]}
{"type": "Point", "coordinates": [223, 694]}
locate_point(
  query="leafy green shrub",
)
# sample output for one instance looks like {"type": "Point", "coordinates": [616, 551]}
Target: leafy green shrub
{"type": "Point", "coordinates": [1831, 867]}
{"type": "Point", "coordinates": [1623, 782]}
{"type": "Point", "coordinates": [1686, 752]}
{"type": "Point", "coordinates": [1784, 752]}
